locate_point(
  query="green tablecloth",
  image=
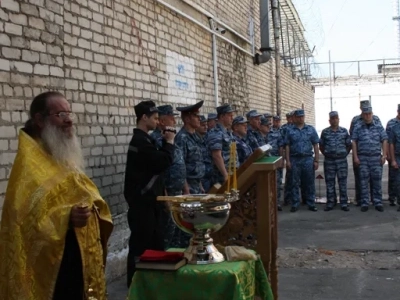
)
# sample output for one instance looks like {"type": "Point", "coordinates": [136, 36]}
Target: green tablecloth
{"type": "Point", "coordinates": [240, 280]}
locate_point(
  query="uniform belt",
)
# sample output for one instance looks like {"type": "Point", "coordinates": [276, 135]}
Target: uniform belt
{"type": "Point", "coordinates": [369, 154]}
{"type": "Point", "coordinates": [300, 155]}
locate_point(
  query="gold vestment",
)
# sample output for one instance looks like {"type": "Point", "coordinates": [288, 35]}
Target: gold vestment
{"type": "Point", "coordinates": [35, 220]}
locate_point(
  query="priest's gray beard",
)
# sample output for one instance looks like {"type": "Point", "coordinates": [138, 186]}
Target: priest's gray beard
{"type": "Point", "coordinates": [63, 146]}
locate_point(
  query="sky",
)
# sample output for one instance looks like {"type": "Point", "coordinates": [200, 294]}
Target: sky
{"type": "Point", "coordinates": [351, 30]}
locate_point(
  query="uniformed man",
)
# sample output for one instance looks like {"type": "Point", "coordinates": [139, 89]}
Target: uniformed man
{"type": "Point", "coordinates": [301, 141]}
{"type": "Point", "coordinates": [265, 128]}
{"type": "Point", "coordinates": [392, 171]}
{"type": "Point", "coordinates": [219, 141]}
{"type": "Point", "coordinates": [239, 130]}
{"type": "Point", "coordinates": [335, 145]}
{"type": "Point", "coordinates": [359, 120]}
{"type": "Point", "coordinates": [275, 140]}
{"type": "Point", "coordinates": [268, 116]}
{"type": "Point", "coordinates": [369, 147]}
{"type": "Point", "coordinates": [394, 140]}
{"type": "Point", "coordinates": [276, 123]}
{"type": "Point", "coordinates": [287, 196]}
{"type": "Point", "coordinates": [190, 142]}
{"type": "Point", "coordinates": [175, 177]}
{"type": "Point", "coordinates": [144, 181]}
{"type": "Point", "coordinates": [202, 132]}
{"type": "Point", "coordinates": [211, 121]}
{"type": "Point", "coordinates": [254, 138]}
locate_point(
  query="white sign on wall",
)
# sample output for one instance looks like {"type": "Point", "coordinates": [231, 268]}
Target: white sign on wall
{"type": "Point", "coordinates": [181, 78]}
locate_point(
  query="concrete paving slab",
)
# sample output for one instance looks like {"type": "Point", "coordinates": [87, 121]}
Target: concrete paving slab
{"type": "Point", "coordinates": [338, 284]}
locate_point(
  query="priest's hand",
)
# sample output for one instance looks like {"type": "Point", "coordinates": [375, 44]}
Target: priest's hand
{"type": "Point", "coordinates": [79, 216]}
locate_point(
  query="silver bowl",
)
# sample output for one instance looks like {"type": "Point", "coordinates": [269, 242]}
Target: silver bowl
{"type": "Point", "coordinates": [201, 219]}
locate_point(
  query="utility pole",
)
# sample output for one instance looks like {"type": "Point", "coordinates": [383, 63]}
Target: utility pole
{"type": "Point", "coordinates": [276, 25]}
{"type": "Point", "coordinates": [330, 80]}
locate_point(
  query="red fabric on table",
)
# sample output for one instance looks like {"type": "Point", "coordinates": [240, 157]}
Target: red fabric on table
{"type": "Point", "coordinates": [154, 255]}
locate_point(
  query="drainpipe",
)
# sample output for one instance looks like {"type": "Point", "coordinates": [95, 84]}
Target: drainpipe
{"type": "Point", "coordinates": [277, 28]}
{"type": "Point", "coordinates": [264, 32]}
{"type": "Point", "coordinates": [215, 61]}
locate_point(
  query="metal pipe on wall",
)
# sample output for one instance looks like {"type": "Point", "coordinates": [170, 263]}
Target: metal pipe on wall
{"type": "Point", "coordinates": [264, 34]}
{"type": "Point", "coordinates": [277, 31]}
{"type": "Point", "coordinates": [215, 62]}
{"type": "Point", "coordinates": [203, 26]}
{"type": "Point", "coordinates": [211, 16]}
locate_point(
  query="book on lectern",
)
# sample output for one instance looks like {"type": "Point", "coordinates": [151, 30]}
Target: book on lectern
{"type": "Point", "coordinates": [161, 260]}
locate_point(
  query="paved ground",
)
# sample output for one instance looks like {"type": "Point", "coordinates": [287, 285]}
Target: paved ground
{"type": "Point", "coordinates": [333, 255]}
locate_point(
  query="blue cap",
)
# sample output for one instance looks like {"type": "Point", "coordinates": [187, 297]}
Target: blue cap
{"type": "Point", "coordinates": [224, 109]}
{"type": "Point", "coordinates": [289, 114]}
{"type": "Point", "coordinates": [191, 108]}
{"type": "Point", "coordinates": [367, 109]}
{"type": "Point", "coordinates": [365, 103]}
{"type": "Point", "coordinates": [265, 121]}
{"type": "Point", "coordinates": [239, 120]}
{"type": "Point", "coordinates": [299, 112]}
{"type": "Point", "coordinates": [166, 110]}
{"type": "Point", "coordinates": [203, 119]}
{"type": "Point", "coordinates": [277, 118]}
{"type": "Point", "coordinates": [252, 114]}
{"type": "Point", "coordinates": [267, 115]}
{"type": "Point", "coordinates": [212, 116]}
{"type": "Point", "coordinates": [145, 107]}
{"type": "Point", "coordinates": [333, 114]}
{"type": "Point", "coordinates": [292, 113]}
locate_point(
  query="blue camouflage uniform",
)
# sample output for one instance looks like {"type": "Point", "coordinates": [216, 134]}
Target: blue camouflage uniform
{"type": "Point", "coordinates": [206, 181]}
{"type": "Point", "coordinates": [254, 137]}
{"type": "Point", "coordinates": [175, 177]}
{"type": "Point", "coordinates": [219, 138]}
{"type": "Point", "coordinates": [394, 139]}
{"type": "Point", "coordinates": [392, 171]}
{"type": "Point", "coordinates": [190, 143]}
{"type": "Point", "coordinates": [274, 139]}
{"type": "Point", "coordinates": [335, 145]}
{"type": "Point", "coordinates": [156, 135]}
{"type": "Point", "coordinates": [243, 149]}
{"type": "Point", "coordinates": [300, 142]}
{"type": "Point", "coordinates": [287, 195]}
{"type": "Point", "coordinates": [358, 120]}
{"type": "Point", "coordinates": [369, 138]}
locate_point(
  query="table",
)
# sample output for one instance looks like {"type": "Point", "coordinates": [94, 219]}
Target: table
{"type": "Point", "coordinates": [242, 280]}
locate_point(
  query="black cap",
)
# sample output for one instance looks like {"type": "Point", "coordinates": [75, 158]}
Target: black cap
{"type": "Point", "coordinates": [191, 108]}
{"type": "Point", "coordinates": [145, 107]}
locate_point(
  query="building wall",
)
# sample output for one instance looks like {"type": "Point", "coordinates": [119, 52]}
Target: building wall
{"type": "Point", "coordinates": [108, 55]}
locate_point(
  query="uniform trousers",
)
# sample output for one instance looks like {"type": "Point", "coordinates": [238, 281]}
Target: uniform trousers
{"type": "Point", "coordinates": [370, 171]}
{"type": "Point", "coordinates": [302, 176]}
{"type": "Point", "coordinates": [279, 177]}
{"type": "Point", "coordinates": [391, 184]}
{"type": "Point", "coordinates": [336, 168]}
{"type": "Point", "coordinates": [396, 179]}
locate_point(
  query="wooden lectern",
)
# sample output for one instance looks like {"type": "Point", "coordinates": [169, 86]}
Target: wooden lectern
{"type": "Point", "coordinates": [253, 219]}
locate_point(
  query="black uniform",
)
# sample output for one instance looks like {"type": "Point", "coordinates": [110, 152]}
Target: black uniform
{"type": "Point", "coordinates": [144, 181]}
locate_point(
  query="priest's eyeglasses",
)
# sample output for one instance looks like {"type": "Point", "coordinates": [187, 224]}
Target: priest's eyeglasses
{"type": "Point", "coordinates": [64, 114]}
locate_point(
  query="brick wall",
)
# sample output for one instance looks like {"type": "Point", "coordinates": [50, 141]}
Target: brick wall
{"type": "Point", "coordinates": [108, 55]}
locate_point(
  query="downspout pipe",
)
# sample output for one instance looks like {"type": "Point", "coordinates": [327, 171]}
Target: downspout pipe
{"type": "Point", "coordinates": [215, 61]}
{"type": "Point", "coordinates": [265, 49]}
